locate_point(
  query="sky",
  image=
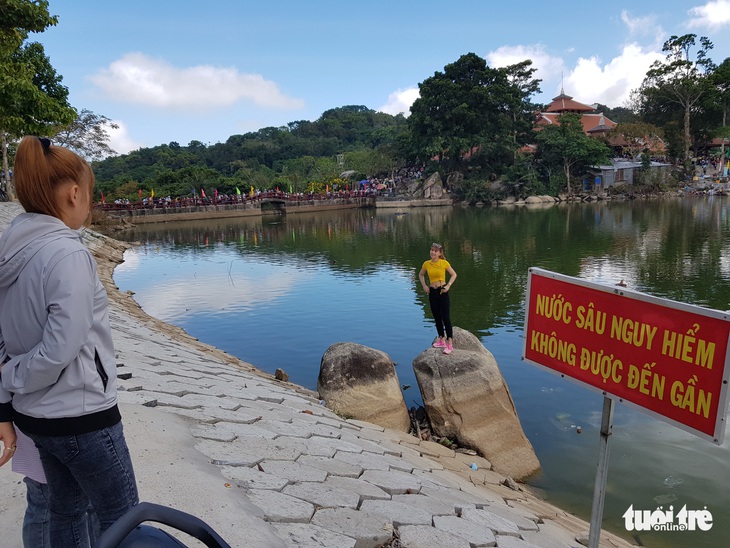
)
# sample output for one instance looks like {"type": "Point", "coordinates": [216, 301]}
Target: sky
{"type": "Point", "coordinates": [182, 71]}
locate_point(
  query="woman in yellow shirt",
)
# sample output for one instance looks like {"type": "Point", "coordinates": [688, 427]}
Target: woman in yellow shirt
{"type": "Point", "coordinates": [438, 295]}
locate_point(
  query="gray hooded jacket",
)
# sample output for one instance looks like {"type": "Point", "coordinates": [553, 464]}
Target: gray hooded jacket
{"type": "Point", "coordinates": [54, 331]}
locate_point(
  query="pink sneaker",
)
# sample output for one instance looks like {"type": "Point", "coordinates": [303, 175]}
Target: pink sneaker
{"type": "Point", "coordinates": [449, 348]}
{"type": "Point", "coordinates": [439, 344]}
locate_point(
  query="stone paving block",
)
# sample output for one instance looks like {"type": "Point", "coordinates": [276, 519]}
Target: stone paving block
{"type": "Point", "coordinates": [334, 422]}
{"type": "Point", "coordinates": [306, 429]}
{"type": "Point", "coordinates": [477, 535]}
{"type": "Point", "coordinates": [524, 519]}
{"type": "Point", "coordinates": [466, 500]}
{"type": "Point", "coordinates": [208, 401]}
{"type": "Point", "coordinates": [419, 462]}
{"type": "Point", "coordinates": [399, 513]}
{"type": "Point", "coordinates": [429, 504]}
{"type": "Point", "coordinates": [550, 535]}
{"type": "Point", "coordinates": [366, 445]}
{"type": "Point", "coordinates": [230, 431]}
{"type": "Point", "coordinates": [248, 451]}
{"type": "Point", "coordinates": [176, 386]}
{"type": "Point", "coordinates": [322, 495]}
{"type": "Point", "coordinates": [317, 443]}
{"type": "Point", "coordinates": [392, 481]}
{"type": "Point", "coordinates": [487, 495]}
{"type": "Point", "coordinates": [369, 531]}
{"type": "Point", "coordinates": [436, 449]}
{"type": "Point", "coordinates": [266, 409]}
{"type": "Point", "coordinates": [332, 466]}
{"type": "Point", "coordinates": [441, 477]}
{"type": "Point", "coordinates": [379, 436]}
{"type": "Point", "coordinates": [399, 464]}
{"type": "Point", "coordinates": [212, 415]}
{"type": "Point", "coordinates": [421, 536]}
{"type": "Point", "coordinates": [369, 461]}
{"type": "Point", "coordinates": [318, 446]}
{"type": "Point", "coordinates": [498, 524]}
{"type": "Point", "coordinates": [365, 425]}
{"type": "Point", "coordinates": [288, 429]}
{"type": "Point", "coordinates": [292, 471]}
{"type": "Point", "coordinates": [366, 491]}
{"type": "Point", "coordinates": [304, 535]}
{"type": "Point", "coordinates": [303, 403]}
{"type": "Point", "coordinates": [506, 541]}
{"type": "Point", "coordinates": [278, 507]}
{"type": "Point", "coordinates": [253, 478]}
{"type": "Point", "coordinates": [140, 398]}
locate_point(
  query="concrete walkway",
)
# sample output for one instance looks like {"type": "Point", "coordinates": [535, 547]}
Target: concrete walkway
{"type": "Point", "coordinates": [266, 465]}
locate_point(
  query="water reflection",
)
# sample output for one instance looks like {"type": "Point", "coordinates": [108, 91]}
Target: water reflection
{"type": "Point", "coordinates": [277, 292]}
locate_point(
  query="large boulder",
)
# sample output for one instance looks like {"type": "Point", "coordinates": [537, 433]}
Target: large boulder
{"type": "Point", "coordinates": [433, 188]}
{"type": "Point", "coordinates": [360, 382]}
{"type": "Point", "coordinates": [467, 399]}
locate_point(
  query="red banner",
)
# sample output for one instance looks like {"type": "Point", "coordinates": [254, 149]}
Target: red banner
{"type": "Point", "coordinates": [668, 358]}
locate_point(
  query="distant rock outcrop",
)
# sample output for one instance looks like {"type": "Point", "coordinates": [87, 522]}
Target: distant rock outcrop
{"type": "Point", "coordinates": [467, 399]}
{"type": "Point", "coordinates": [360, 382]}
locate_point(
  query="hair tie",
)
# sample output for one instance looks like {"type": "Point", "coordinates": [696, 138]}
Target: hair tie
{"type": "Point", "coordinates": [46, 144]}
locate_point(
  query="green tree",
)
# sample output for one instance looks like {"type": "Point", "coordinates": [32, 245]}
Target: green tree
{"type": "Point", "coordinates": [720, 81]}
{"type": "Point", "coordinates": [473, 116]}
{"type": "Point", "coordinates": [32, 99]}
{"type": "Point", "coordinates": [636, 137]}
{"type": "Point", "coordinates": [565, 147]}
{"type": "Point", "coordinates": [521, 108]}
{"type": "Point", "coordinates": [87, 135]}
{"type": "Point", "coordinates": [680, 80]}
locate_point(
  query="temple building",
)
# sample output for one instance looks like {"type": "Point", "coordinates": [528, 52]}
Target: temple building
{"type": "Point", "coordinates": [594, 124]}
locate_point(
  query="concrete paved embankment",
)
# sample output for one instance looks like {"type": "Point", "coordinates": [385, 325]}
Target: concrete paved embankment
{"type": "Point", "coordinates": [266, 465]}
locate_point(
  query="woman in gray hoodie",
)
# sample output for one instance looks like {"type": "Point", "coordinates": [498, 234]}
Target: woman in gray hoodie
{"type": "Point", "coordinates": [59, 370]}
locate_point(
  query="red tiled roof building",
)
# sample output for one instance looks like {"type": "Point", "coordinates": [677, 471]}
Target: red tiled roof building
{"type": "Point", "coordinates": [594, 124]}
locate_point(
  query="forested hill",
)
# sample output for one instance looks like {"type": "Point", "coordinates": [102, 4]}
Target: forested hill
{"type": "Point", "coordinates": [287, 155]}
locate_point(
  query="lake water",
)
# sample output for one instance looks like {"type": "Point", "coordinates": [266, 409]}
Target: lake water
{"type": "Point", "coordinates": [278, 291]}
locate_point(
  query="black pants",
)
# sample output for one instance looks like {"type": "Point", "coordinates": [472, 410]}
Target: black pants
{"type": "Point", "coordinates": [441, 310]}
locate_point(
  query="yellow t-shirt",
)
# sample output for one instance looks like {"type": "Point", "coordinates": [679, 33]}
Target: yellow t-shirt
{"type": "Point", "coordinates": [436, 271]}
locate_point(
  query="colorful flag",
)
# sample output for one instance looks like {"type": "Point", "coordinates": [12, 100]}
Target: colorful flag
{"type": "Point", "coordinates": [192, 191]}
{"type": "Point", "coordinates": [238, 192]}
{"type": "Point", "coordinates": [139, 193]}
{"type": "Point", "coordinates": [251, 193]}
{"type": "Point", "coordinates": [152, 193]}
{"type": "Point", "coordinates": [215, 191]}
{"type": "Point", "coordinates": [103, 201]}
{"type": "Point", "coordinates": [202, 192]}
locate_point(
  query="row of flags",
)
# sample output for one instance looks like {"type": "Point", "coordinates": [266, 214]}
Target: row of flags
{"type": "Point", "coordinates": [194, 192]}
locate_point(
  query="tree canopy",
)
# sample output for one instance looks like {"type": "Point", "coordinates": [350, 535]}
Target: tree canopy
{"type": "Point", "coordinates": [32, 98]}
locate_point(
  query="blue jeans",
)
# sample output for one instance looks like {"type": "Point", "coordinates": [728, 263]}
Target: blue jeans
{"type": "Point", "coordinates": [37, 515]}
{"type": "Point", "coordinates": [93, 468]}
{"type": "Point", "coordinates": [36, 530]}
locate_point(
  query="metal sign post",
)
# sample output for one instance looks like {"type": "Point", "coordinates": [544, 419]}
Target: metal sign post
{"type": "Point", "coordinates": [599, 490]}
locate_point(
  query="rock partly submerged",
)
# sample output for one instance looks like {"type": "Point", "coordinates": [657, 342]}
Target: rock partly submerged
{"type": "Point", "coordinates": [467, 399]}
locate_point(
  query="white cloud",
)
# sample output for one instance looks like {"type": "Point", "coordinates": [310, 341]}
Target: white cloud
{"type": "Point", "coordinates": [548, 66]}
{"type": "Point", "coordinates": [610, 84]}
{"type": "Point", "coordinates": [137, 78]}
{"type": "Point", "coordinates": [400, 101]}
{"type": "Point", "coordinates": [714, 15]}
{"type": "Point", "coordinates": [120, 140]}
{"type": "Point", "coordinates": [642, 26]}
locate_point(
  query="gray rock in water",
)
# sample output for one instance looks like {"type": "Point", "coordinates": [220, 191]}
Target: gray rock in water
{"type": "Point", "coordinates": [361, 383]}
{"type": "Point", "coordinates": [467, 399]}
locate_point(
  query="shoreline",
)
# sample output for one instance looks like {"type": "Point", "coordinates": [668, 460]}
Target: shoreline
{"type": "Point", "coordinates": [142, 338]}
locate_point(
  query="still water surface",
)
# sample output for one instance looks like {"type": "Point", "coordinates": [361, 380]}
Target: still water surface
{"type": "Point", "coordinates": [277, 292]}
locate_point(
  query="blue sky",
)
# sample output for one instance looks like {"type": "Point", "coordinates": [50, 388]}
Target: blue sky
{"type": "Point", "coordinates": [181, 71]}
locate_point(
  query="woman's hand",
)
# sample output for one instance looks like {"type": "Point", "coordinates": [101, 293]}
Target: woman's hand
{"type": "Point", "coordinates": [8, 437]}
